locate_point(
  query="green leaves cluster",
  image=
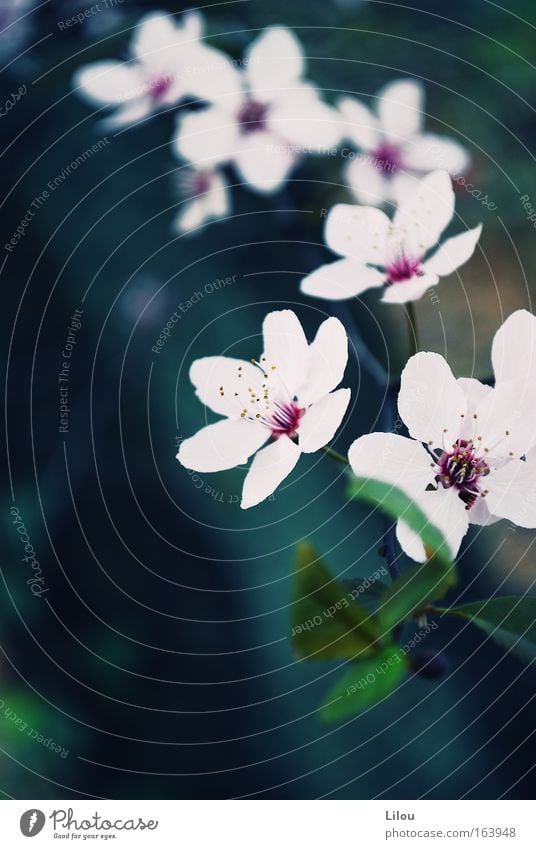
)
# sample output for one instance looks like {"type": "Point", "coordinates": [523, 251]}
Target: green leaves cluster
{"type": "Point", "coordinates": [358, 622]}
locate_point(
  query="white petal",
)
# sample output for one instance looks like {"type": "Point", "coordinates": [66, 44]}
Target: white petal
{"type": "Point", "coordinates": [109, 83]}
{"type": "Point", "coordinates": [513, 353]}
{"type": "Point", "coordinates": [328, 355]}
{"type": "Point", "coordinates": [208, 74]}
{"type": "Point", "coordinates": [429, 152]}
{"type": "Point", "coordinates": [431, 402]}
{"type": "Point", "coordinates": [301, 118]}
{"type": "Point", "coordinates": [392, 459]}
{"type": "Point", "coordinates": [400, 109]}
{"type": "Point", "coordinates": [367, 182]}
{"type": "Point", "coordinates": [155, 32]}
{"type": "Point", "coordinates": [409, 290]}
{"type": "Point", "coordinates": [479, 514]}
{"type": "Point", "coordinates": [213, 375]}
{"type": "Point", "coordinates": [286, 348]}
{"type": "Point", "coordinates": [453, 253]}
{"type": "Point", "coordinates": [128, 114]}
{"type": "Point", "coordinates": [207, 137]}
{"type": "Point", "coordinates": [222, 445]}
{"type": "Point", "coordinates": [342, 279]}
{"type": "Point", "coordinates": [359, 123]}
{"type": "Point", "coordinates": [512, 492]}
{"type": "Point", "coordinates": [443, 509]}
{"type": "Point", "coordinates": [421, 218]}
{"type": "Point", "coordinates": [274, 61]}
{"type": "Point", "coordinates": [358, 232]}
{"type": "Point", "coordinates": [321, 421]}
{"type": "Point", "coordinates": [504, 419]}
{"type": "Point", "coordinates": [214, 203]}
{"type": "Point", "coordinates": [264, 161]}
{"type": "Point", "coordinates": [474, 392]}
{"type": "Point", "coordinates": [269, 467]}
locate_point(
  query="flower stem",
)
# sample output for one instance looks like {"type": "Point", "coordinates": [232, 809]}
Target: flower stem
{"type": "Point", "coordinates": [412, 328]}
{"type": "Point", "coordinates": [335, 454]}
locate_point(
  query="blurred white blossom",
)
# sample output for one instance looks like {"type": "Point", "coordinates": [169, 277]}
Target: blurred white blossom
{"type": "Point", "coordinates": [394, 148]}
{"type": "Point", "coordinates": [265, 120]}
{"type": "Point", "coordinates": [168, 62]}
{"type": "Point", "coordinates": [205, 196]}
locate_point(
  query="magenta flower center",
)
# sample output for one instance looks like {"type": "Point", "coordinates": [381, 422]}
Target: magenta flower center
{"type": "Point", "coordinates": [159, 87]}
{"type": "Point", "coordinates": [387, 158]}
{"type": "Point", "coordinates": [403, 268]}
{"type": "Point", "coordinates": [285, 419]}
{"type": "Point", "coordinates": [252, 116]}
{"type": "Point", "coordinates": [462, 469]}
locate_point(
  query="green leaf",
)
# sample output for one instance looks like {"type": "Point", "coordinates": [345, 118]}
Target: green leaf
{"type": "Point", "coordinates": [365, 684]}
{"type": "Point", "coordinates": [420, 584]}
{"type": "Point", "coordinates": [327, 623]}
{"type": "Point", "coordinates": [510, 621]}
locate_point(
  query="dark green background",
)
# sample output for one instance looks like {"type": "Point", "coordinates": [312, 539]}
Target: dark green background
{"type": "Point", "coordinates": [160, 657]}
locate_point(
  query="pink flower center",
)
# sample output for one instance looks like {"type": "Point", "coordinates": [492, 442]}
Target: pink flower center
{"type": "Point", "coordinates": [285, 419]}
{"type": "Point", "coordinates": [403, 268]}
{"type": "Point", "coordinates": [387, 158]}
{"type": "Point", "coordinates": [462, 469]}
{"type": "Point", "coordinates": [159, 86]}
{"type": "Point", "coordinates": [252, 116]}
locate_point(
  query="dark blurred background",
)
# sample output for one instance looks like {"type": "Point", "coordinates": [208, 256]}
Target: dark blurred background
{"type": "Point", "coordinates": [158, 660]}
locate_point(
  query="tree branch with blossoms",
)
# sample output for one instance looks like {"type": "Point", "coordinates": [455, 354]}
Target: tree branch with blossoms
{"type": "Point", "coordinates": [469, 456]}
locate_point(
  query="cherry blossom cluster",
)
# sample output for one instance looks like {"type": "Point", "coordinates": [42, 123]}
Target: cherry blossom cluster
{"type": "Point", "coordinates": [470, 453]}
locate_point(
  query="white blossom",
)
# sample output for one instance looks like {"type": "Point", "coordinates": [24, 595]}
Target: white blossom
{"type": "Point", "coordinates": [168, 61]}
{"type": "Point", "coordinates": [286, 398]}
{"type": "Point", "coordinates": [470, 456]}
{"type": "Point", "coordinates": [394, 148]}
{"type": "Point", "coordinates": [266, 119]}
{"type": "Point", "coordinates": [377, 252]}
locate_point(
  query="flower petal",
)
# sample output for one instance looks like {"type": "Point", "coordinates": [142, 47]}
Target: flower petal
{"type": "Point", "coordinates": [109, 83]}
{"type": "Point", "coordinates": [453, 253]}
{"type": "Point", "coordinates": [360, 125]}
{"type": "Point", "coordinates": [269, 467]}
{"type": "Point", "coordinates": [213, 375]}
{"type": "Point", "coordinates": [300, 117]}
{"type": "Point", "coordinates": [444, 510]}
{"type": "Point", "coordinates": [400, 109]}
{"type": "Point", "coordinates": [342, 279]}
{"type": "Point", "coordinates": [321, 421]}
{"type": "Point", "coordinates": [328, 355]}
{"type": "Point", "coordinates": [504, 419]}
{"type": "Point", "coordinates": [358, 232]}
{"type": "Point", "coordinates": [429, 152]}
{"type": "Point", "coordinates": [264, 161]}
{"type": "Point", "coordinates": [409, 290]}
{"type": "Point", "coordinates": [286, 351]}
{"type": "Point", "coordinates": [128, 114]}
{"type": "Point", "coordinates": [420, 220]}
{"type": "Point", "coordinates": [207, 137]}
{"type": "Point", "coordinates": [222, 445]}
{"type": "Point", "coordinates": [513, 352]}
{"type": "Point", "coordinates": [156, 33]}
{"type": "Point", "coordinates": [274, 61]}
{"type": "Point", "coordinates": [474, 392]}
{"type": "Point", "coordinates": [367, 182]}
{"type": "Point", "coordinates": [208, 206]}
{"type": "Point", "coordinates": [392, 459]}
{"type": "Point", "coordinates": [479, 514]}
{"type": "Point", "coordinates": [512, 492]}
{"type": "Point", "coordinates": [430, 402]}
